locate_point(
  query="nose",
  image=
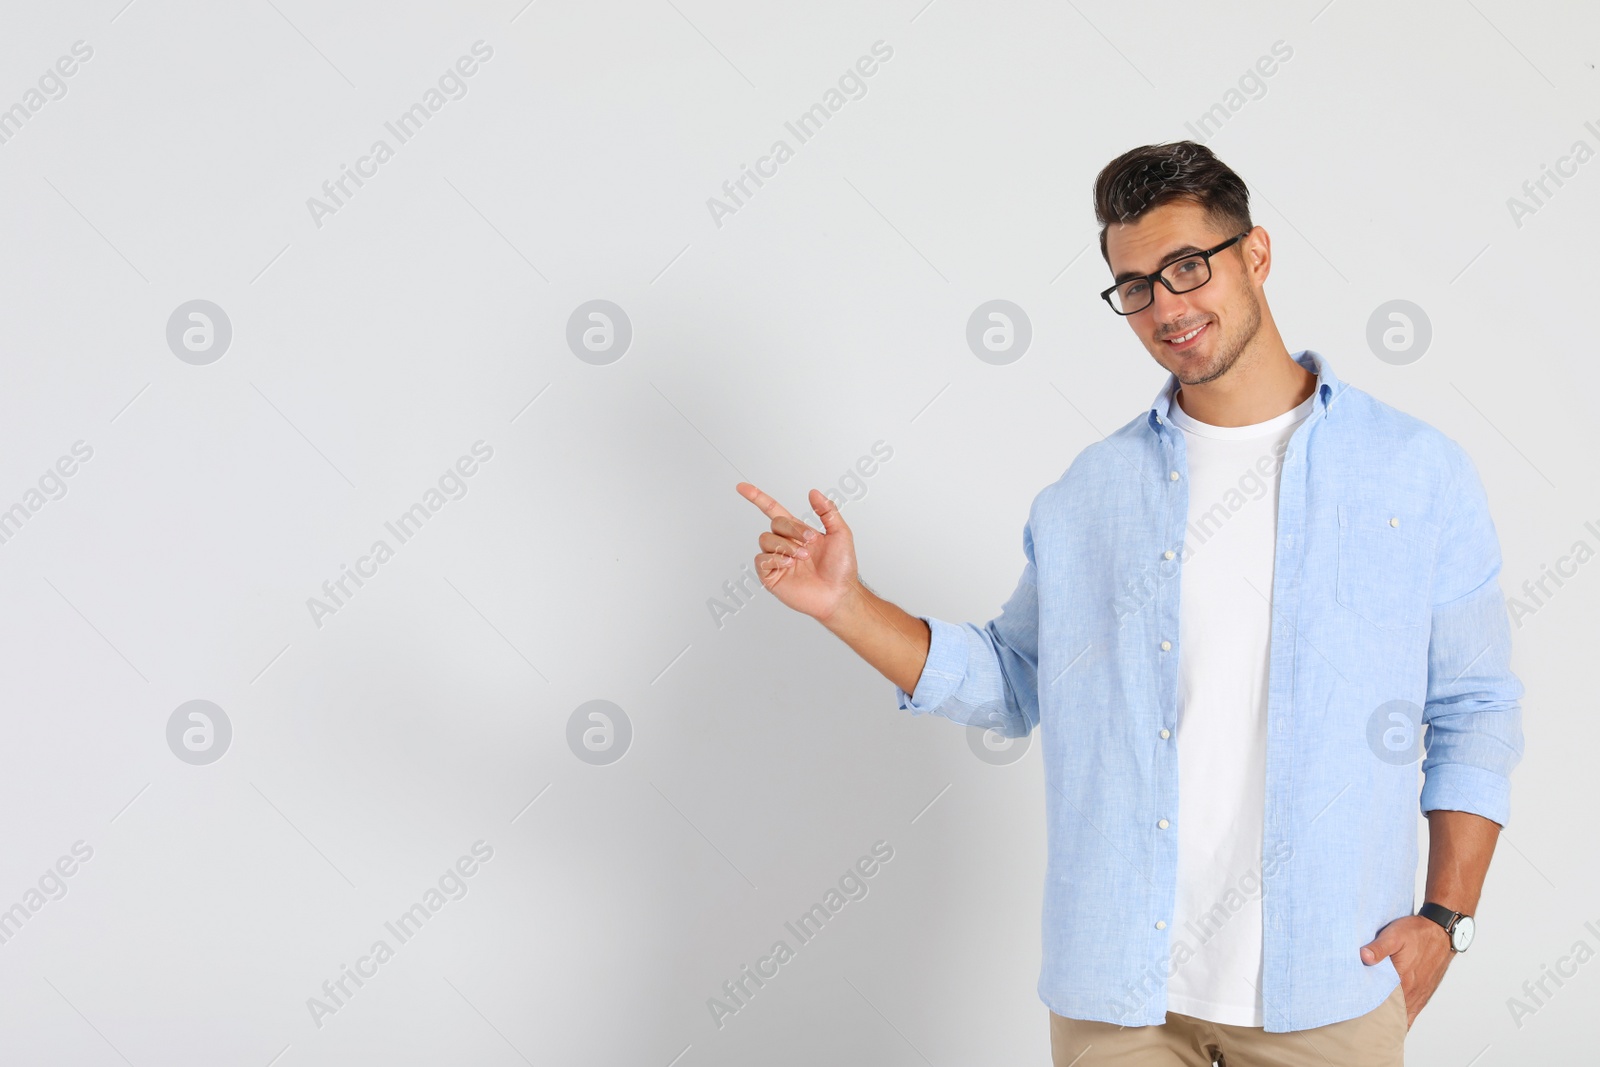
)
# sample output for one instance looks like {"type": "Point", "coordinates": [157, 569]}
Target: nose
{"type": "Point", "coordinates": [1168, 307]}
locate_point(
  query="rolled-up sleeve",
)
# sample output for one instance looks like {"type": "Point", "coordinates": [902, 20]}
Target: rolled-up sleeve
{"type": "Point", "coordinates": [986, 675]}
{"type": "Point", "coordinates": [1473, 708]}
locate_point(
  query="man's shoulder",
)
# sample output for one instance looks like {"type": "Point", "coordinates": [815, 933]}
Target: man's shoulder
{"type": "Point", "coordinates": [1363, 422]}
{"type": "Point", "coordinates": [1124, 452]}
{"type": "Point", "coordinates": [1359, 425]}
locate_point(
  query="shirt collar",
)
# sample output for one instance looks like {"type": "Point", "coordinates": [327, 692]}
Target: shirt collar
{"type": "Point", "coordinates": [1328, 387]}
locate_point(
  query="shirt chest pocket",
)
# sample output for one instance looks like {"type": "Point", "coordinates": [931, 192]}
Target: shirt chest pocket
{"type": "Point", "coordinates": [1385, 570]}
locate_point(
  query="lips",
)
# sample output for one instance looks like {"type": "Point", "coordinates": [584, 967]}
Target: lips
{"type": "Point", "coordinates": [1188, 340]}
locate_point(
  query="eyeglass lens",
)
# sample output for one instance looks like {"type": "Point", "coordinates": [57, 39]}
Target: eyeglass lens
{"type": "Point", "coordinates": [1184, 275]}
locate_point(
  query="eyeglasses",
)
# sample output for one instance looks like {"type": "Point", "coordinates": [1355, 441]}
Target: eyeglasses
{"type": "Point", "coordinates": [1185, 275]}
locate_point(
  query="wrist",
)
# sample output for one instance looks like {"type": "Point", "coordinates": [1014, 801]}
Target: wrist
{"type": "Point", "coordinates": [1458, 927]}
{"type": "Point", "coordinates": [848, 609]}
{"type": "Point", "coordinates": [1438, 933]}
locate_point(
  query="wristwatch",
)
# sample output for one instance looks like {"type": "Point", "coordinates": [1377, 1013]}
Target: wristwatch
{"type": "Point", "coordinates": [1458, 926]}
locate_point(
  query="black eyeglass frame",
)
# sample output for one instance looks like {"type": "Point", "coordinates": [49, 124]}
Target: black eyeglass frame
{"type": "Point", "coordinates": [1158, 276]}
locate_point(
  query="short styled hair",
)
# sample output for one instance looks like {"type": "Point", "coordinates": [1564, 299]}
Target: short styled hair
{"type": "Point", "coordinates": [1146, 177]}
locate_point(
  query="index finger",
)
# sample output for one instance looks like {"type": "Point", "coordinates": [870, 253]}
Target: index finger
{"type": "Point", "coordinates": [770, 507]}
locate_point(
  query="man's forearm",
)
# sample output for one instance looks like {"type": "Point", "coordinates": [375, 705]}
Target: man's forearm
{"type": "Point", "coordinates": [892, 640]}
{"type": "Point", "coordinates": [1459, 847]}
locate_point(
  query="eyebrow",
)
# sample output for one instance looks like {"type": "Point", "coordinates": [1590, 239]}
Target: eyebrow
{"type": "Point", "coordinates": [1171, 257]}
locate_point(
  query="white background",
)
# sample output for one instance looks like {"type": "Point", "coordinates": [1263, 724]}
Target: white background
{"type": "Point", "coordinates": [827, 314]}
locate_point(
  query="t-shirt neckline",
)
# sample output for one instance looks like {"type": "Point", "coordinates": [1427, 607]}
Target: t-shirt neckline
{"type": "Point", "coordinates": [1186, 421]}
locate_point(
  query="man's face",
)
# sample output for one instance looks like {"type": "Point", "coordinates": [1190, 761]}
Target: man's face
{"type": "Point", "coordinates": [1227, 309]}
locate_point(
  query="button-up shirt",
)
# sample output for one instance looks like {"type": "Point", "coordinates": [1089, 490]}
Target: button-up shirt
{"type": "Point", "coordinates": [1387, 615]}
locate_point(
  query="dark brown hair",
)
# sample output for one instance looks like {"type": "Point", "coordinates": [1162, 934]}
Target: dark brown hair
{"type": "Point", "coordinates": [1151, 175]}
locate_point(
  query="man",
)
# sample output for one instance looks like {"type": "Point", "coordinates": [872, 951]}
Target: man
{"type": "Point", "coordinates": [1261, 587]}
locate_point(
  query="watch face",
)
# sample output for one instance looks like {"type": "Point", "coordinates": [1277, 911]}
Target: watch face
{"type": "Point", "coordinates": [1461, 936]}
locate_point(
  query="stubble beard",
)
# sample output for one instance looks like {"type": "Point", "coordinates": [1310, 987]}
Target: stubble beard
{"type": "Point", "coordinates": [1228, 349]}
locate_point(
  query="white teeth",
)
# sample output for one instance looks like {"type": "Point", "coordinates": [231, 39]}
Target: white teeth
{"type": "Point", "coordinates": [1185, 337]}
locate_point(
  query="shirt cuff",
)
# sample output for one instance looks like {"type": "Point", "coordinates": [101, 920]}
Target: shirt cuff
{"type": "Point", "coordinates": [943, 671]}
{"type": "Point", "coordinates": [1463, 787]}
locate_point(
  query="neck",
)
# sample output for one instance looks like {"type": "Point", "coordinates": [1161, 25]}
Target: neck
{"type": "Point", "coordinates": [1260, 386]}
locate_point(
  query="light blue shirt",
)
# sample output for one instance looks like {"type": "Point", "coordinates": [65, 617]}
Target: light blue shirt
{"type": "Point", "coordinates": [1387, 613]}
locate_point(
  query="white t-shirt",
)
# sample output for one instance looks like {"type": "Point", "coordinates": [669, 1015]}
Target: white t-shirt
{"type": "Point", "coordinates": [1224, 625]}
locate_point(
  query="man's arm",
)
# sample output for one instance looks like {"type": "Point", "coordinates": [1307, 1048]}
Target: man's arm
{"type": "Point", "coordinates": [1474, 739]}
{"type": "Point", "coordinates": [977, 675]}
{"type": "Point", "coordinates": [1459, 847]}
{"type": "Point", "coordinates": [883, 634]}
{"type": "Point", "coordinates": [815, 573]}
{"type": "Point", "coordinates": [1473, 704]}
{"type": "Point", "coordinates": [970, 674]}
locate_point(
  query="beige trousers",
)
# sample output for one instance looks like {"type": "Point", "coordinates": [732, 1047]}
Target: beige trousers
{"type": "Point", "coordinates": [1376, 1039]}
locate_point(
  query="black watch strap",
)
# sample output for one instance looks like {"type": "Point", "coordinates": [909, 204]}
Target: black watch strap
{"type": "Point", "coordinates": [1441, 915]}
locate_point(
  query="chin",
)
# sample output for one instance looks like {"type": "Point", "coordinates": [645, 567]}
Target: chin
{"type": "Point", "coordinates": [1195, 369]}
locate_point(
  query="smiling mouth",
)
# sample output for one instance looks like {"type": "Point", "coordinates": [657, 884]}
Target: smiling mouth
{"type": "Point", "coordinates": [1187, 340]}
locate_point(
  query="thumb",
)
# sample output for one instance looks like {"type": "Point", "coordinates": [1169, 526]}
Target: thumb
{"type": "Point", "coordinates": [1379, 948]}
{"type": "Point", "coordinates": [828, 512]}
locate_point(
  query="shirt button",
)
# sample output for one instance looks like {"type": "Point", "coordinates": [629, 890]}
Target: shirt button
{"type": "Point", "coordinates": [1168, 554]}
{"type": "Point", "coordinates": [1162, 824]}
{"type": "Point", "coordinates": [1394, 522]}
{"type": "Point", "coordinates": [1173, 476]}
{"type": "Point", "coordinates": [1161, 924]}
{"type": "Point", "coordinates": [1166, 646]}
{"type": "Point", "coordinates": [1165, 733]}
